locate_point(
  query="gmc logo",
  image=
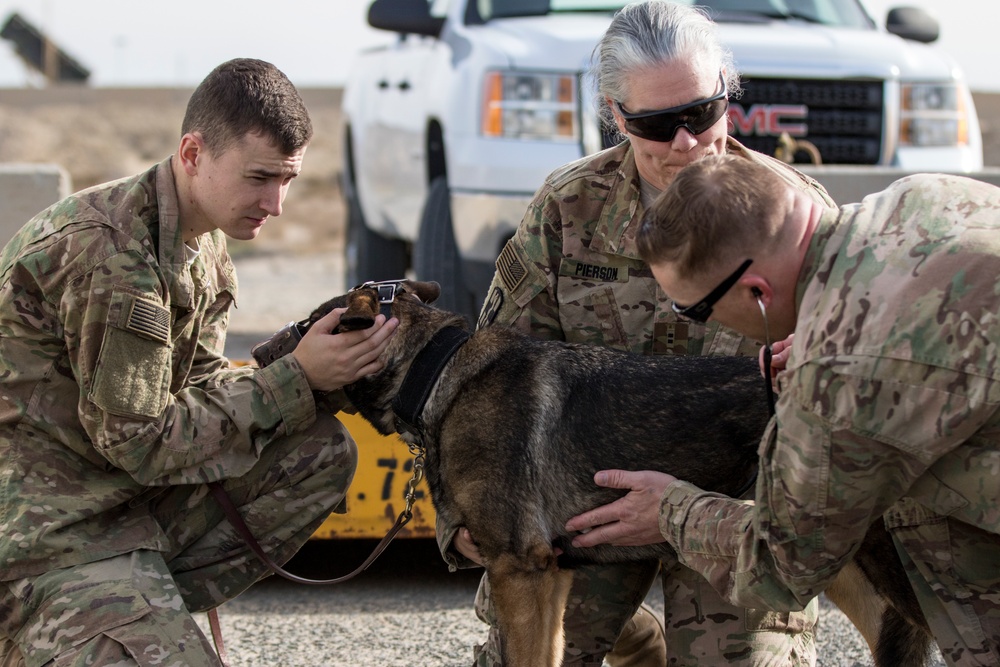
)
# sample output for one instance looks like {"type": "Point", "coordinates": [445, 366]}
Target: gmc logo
{"type": "Point", "coordinates": [769, 119]}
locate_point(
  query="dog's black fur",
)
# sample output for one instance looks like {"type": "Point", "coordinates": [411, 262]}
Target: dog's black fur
{"type": "Point", "coordinates": [515, 429]}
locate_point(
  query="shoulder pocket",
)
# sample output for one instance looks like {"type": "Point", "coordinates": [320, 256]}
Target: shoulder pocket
{"type": "Point", "coordinates": [516, 282]}
{"type": "Point", "coordinates": [132, 377]}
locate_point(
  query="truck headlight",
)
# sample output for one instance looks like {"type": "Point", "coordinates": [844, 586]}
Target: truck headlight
{"type": "Point", "coordinates": [933, 114]}
{"type": "Point", "coordinates": [530, 105]}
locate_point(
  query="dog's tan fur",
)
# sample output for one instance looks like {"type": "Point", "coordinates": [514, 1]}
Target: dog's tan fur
{"type": "Point", "coordinates": [529, 597]}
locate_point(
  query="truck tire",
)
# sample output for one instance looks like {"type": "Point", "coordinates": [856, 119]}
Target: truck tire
{"type": "Point", "coordinates": [435, 253]}
{"type": "Point", "coordinates": [370, 256]}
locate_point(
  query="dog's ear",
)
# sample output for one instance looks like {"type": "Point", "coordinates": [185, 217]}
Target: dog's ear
{"type": "Point", "coordinates": [362, 307]}
{"type": "Point", "coordinates": [426, 291]}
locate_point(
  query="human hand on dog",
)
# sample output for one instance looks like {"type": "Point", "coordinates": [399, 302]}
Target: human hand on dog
{"type": "Point", "coordinates": [633, 519]}
{"type": "Point", "coordinates": [331, 361]}
{"type": "Point", "coordinates": [465, 545]}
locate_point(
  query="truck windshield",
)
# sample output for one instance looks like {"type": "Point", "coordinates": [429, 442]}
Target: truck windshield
{"type": "Point", "coordinates": [841, 13]}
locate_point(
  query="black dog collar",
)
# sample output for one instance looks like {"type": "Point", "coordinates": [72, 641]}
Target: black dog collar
{"type": "Point", "coordinates": [422, 376]}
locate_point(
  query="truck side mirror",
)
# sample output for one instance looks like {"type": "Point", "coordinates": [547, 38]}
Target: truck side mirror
{"type": "Point", "coordinates": [405, 16]}
{"type": "Point", "coordinates": [912, 23]}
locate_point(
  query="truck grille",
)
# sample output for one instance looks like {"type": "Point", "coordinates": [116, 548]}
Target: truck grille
{"type": "Point", "coordinates": [843, 119]}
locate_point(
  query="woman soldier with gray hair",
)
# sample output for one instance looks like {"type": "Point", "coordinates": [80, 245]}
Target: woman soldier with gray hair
{"type": "Point", "coordinates": [664, 80]}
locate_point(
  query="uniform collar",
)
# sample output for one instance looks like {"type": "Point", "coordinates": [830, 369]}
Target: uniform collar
{"type": "Point", "coordinates": [622, 211]}
{"type": "Point", "coordinates": [824, 247]}
{"type": "Point", "coordinates": [185, 279]}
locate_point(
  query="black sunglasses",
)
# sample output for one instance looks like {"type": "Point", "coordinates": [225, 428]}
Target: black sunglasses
{"type": "Point", "coordinates": [701, 311]}
{"type": "Point", "coordinates": [663, 124]}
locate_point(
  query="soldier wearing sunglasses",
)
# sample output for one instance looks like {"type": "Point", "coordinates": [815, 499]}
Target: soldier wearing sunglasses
{"type": "Point", "coordinates": [889, 392]}
{"type": "Point", "coordinates": [572, 272]}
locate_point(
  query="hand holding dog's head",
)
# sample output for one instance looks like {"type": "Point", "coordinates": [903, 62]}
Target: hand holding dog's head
{"type": "Point", "coordinates": [362, 308]}
{"type": "Point", "coordinates": [362, 304]}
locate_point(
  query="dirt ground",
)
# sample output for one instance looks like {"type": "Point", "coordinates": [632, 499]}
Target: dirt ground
{"type": "Point", "coordinates": [102, 134]}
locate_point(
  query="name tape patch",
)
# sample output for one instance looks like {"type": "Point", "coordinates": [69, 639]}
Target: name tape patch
{"type": "Point", "coordinates": [606, 273]}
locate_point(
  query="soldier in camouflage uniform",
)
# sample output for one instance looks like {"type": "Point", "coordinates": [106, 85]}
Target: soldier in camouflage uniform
{"type": "Point", "coordinates": [889, 403]}
{"type": "Point", "coordinates": [572, 272]}
{"type": "Point", "coordinates": [117, 405]}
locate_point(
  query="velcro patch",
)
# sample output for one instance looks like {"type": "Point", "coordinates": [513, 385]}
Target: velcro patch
{"type": "Point", "coordinates": [491, 308]}
{"type": "Point", "coordinates": [605, 273]}
{"type": "Point", "coordinates": [510, 268]}
{"type": "Point", "coordinates": [149, 319]}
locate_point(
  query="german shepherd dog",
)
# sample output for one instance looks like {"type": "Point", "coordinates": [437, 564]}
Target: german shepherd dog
{"type": "Point", "coordinates": [514, 429]}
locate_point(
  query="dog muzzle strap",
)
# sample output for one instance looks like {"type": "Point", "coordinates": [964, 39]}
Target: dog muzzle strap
{"type": "Point", "coordinates": [283, 341]}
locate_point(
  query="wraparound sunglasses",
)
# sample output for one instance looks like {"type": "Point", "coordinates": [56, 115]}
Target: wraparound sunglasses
{"type": "Point", "coordinates": [662, 125]}
{"type": "Point", "coordinates": [701, 311]}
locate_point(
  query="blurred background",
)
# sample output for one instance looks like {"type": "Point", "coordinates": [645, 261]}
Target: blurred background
{"type": "Point", "coordinates": [141, 60]}
{"type": "Point", "coordinates": [141, 44]}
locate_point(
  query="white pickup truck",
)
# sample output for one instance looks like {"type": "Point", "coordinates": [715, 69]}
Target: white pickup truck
{"type": "Point", "coordinates": [451, 129]}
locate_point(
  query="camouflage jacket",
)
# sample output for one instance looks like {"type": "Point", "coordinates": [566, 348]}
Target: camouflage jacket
{"type": "Point", "coordinates": [113, 384]}
{"type": "Point", "coordinates": [888, 406]}
{"type": "Point", "coordinates": [572, 271]}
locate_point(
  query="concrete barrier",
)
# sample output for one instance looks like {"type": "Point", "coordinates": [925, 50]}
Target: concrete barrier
{"type": "Point", "coordinates": [848, 184]}
{"type": "Point", "coordinates": [26, 189]}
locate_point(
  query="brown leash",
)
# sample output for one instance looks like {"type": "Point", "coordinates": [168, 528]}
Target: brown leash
{"type": "Point", "coordinates": [233, 515]}
{"type": "Point", "coordinates": [220, 646]}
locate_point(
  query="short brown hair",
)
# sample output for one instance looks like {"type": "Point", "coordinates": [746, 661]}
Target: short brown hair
{"type": "Point", "coordinates": [717, 210]}
{"type": "Point", "coordinates": [247, 96]}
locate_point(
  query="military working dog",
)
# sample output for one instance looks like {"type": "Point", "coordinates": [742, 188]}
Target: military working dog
{"type": "Point", "coordinates": [514, 429]}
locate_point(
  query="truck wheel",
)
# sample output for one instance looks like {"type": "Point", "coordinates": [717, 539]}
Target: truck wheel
{"type": "Point", "coordinates": [435, 254]}
{"type": "Point", "coordinates": [370, 256]}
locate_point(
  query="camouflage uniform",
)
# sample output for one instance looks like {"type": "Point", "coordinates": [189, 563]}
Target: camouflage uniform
{"type": "Point", "coordinates": [116, 407]}
{"type": "Point", "coordinates": [572, 272]}
{"type": "Point", "coordinates": [888, 408]}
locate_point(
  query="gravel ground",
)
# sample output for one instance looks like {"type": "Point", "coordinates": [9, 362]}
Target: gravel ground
{"type": "Point", "coordinates": [406, 609]}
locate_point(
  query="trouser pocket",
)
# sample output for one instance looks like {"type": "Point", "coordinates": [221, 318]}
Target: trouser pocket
{"type": "Point", "coordinates": [952, 569]}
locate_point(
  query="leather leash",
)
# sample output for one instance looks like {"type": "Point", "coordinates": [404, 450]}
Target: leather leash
{"type": "Point", "coordinates": [234, 518]}
{"type": "Point", "coordinates": [216, 626]}
{"type": "Point", "coordinates": [413, 396]}
{"type": "Point", "coordinates": [233, 515]}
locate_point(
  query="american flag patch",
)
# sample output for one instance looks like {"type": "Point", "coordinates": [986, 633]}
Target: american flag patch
{"type": "Point", "coordinates": [509, 268]}
{"type": "Point", "coordinates": [150, 320]}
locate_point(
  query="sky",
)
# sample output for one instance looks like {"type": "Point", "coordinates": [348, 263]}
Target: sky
{"type": "Point", "coordinates": [139, 43]}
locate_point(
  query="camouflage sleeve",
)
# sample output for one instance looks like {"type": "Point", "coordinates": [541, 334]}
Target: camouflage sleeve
{"type": "Point", "coordinates": [523, 291]}
{"type": "Point", "coordinates": [445, 528]}
{"type": "Point", "coordinates": [117, 330]}
{"type": "Point", "coordinates": [845, 448]}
